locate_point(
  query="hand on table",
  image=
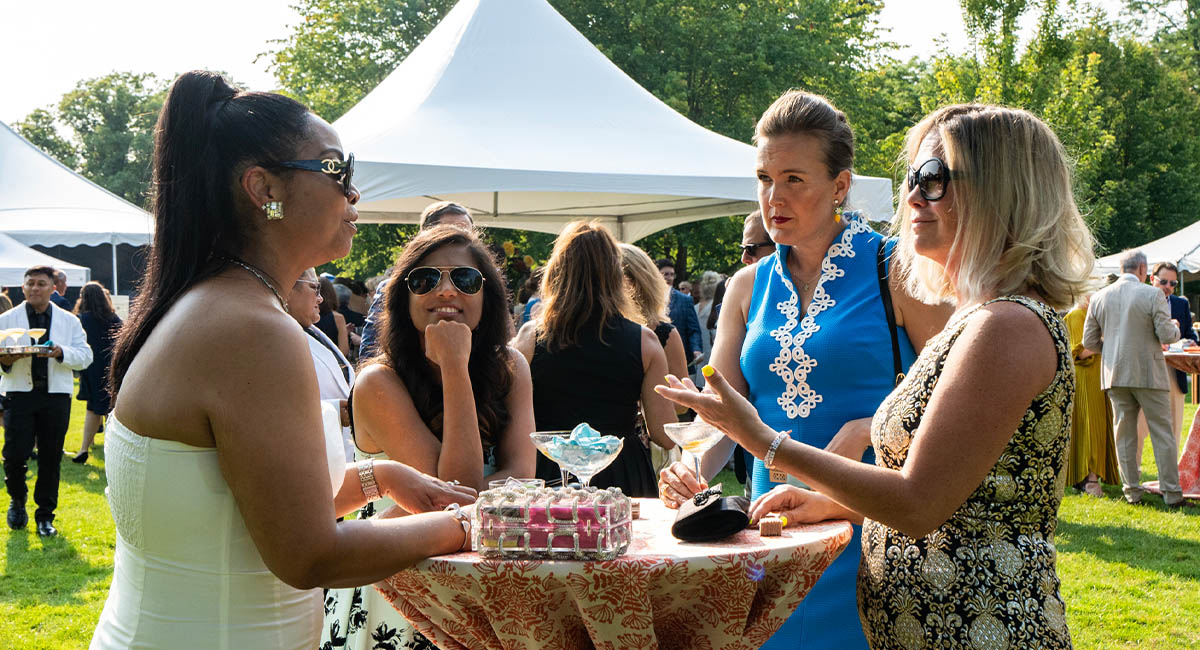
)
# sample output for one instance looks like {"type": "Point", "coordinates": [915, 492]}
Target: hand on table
{"type": "Point", "coordinates": [415, 491]}
{"type": "Point", "coordinates": [677, 483]}
{"type": "Point", "coordinates": [800, 506]}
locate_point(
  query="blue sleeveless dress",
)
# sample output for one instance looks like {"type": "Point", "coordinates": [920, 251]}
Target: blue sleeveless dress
{"type": "Point", "coordinates": [812, 372]}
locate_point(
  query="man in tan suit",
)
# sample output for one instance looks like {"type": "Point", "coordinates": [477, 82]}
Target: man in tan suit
{"type": "Point", "coordinates": [1127, 323]}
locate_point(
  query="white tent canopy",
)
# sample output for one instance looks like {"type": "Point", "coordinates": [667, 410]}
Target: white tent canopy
{"type": "Point", "coordinates": [1181, 247]}
{"type": "Point", "coordinates": [508, 110]}
{"type": "Point", "coordinates": [44, 203]}
{"type": "Point", "coordinates": [16, 257]}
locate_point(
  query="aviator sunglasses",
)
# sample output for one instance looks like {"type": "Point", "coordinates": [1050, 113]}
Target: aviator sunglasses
{"type": "Point", "coordinates": [343, 170]}
{"type": "Point", "coordinates": [424, 279]}
{"type": "Point", "coordinates": [931, 177]}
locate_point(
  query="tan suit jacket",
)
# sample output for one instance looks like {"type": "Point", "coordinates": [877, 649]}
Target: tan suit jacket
{"type": "Point", "coordinates": [1127, 323]}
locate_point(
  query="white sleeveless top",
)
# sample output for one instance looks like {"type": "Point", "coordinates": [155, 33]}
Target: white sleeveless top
{"type": "Point", "coordinates": [186, 573]}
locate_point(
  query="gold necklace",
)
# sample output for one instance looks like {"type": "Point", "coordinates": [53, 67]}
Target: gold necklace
{"type": "Point", "coordinates": [809, 283]}
{"type": "Point", "coordinates": [262, 278]}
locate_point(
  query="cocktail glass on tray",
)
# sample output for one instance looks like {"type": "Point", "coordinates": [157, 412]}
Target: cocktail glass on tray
{"type": "Point", "coordinates": [695, 438]}
{"type": "Point", "coordinates": [35, 333]}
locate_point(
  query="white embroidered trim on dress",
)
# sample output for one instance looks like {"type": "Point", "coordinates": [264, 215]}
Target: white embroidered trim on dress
{"type": "Point", "coordinates": [791, 348]}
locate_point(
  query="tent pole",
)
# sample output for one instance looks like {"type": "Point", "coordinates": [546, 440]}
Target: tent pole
{"type": "Point", "coordinates": [113, 245]}
{"type": "Point", "coordinates": [495, 205]}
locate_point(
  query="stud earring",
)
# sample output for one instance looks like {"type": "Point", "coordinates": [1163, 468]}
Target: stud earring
{"type": "Point", "coordinates": [274, 210]}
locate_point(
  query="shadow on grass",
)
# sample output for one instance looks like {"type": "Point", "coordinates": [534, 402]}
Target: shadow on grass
{"type": "Point", "coordinates": [88, 476]}
{"type": "Point", "coordinates": [1132, 547]}
{"type": "Point", "coordinates": [45, 570]}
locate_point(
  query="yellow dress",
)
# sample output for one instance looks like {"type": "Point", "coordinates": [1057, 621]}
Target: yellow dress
{"type": "Point", "coordinates": [986, 578]}
{"type": "Point", "coordinates": [1092, 447]}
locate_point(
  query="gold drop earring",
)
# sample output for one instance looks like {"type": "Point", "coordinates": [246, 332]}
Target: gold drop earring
{"type": "Point", "coordinates": [837, 211]}
{"type": "Point", "coordinates": [274, 210]}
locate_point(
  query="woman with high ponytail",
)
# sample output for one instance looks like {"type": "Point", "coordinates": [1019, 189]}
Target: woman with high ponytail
{"type": "Point", "coordinates": [224, 475]}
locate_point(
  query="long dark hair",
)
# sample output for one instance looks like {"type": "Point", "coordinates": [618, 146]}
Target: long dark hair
{"type": "Point", "coordinates": [93, 299]}
{"type": "Point", "coordinates": [207, 134]}
{"type": "Point", "coordinates": [490, 366]}
{"type": "Point", "coordinates": [583, 286]}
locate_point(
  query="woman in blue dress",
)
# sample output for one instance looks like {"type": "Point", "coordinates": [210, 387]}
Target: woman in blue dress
{"type": "Point", "coordinates": [805, 335]}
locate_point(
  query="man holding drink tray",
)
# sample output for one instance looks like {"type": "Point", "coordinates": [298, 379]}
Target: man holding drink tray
{"type": "Point", "coordinates": [42, 344]}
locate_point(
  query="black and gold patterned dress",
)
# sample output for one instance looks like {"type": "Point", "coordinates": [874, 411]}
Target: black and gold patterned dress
{"type": "Point", "coordinates": [986, 578]}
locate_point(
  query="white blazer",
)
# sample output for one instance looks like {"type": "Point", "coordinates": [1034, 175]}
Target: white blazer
{"type": "Point", "coordinates": [330, 381]}
{"type": "Point", "coordinates": [66, 333]}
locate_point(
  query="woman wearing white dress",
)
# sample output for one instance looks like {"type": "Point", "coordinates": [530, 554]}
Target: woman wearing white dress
{"type": "Point", "coordinates": [223, 535]}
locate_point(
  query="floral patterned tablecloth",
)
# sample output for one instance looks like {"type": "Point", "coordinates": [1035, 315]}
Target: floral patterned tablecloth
{"type": "Point", "coordinates": [662, 593]}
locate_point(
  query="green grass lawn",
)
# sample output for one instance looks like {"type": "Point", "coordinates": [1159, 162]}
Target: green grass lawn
{"type": "Point", "coordinates": [1130, 575]}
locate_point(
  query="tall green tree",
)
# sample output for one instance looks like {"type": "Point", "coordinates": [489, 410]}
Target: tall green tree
{"type": "Point", "coordinates": [39, 128]}
{"type": "Point", "coordinates": [112, 119]}
{"type": "Point", "coordinates": [343, 48]}
{"type": "Point", "coordinates": [107, 131]}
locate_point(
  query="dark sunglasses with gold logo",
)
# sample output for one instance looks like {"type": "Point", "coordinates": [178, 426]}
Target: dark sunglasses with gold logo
{"type": "Point", "coordinates": [343, 170]}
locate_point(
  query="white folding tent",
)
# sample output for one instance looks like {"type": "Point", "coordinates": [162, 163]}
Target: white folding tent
{"type": "Point", "coordinates": [507, 109]}
{"type": "Point", "coordinates": [16, 257]}
{"type": "Point", "coordinates": [1181, 247]}
{"type": "Point", "coordinates": [44, 203]}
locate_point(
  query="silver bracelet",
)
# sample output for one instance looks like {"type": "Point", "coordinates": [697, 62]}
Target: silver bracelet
{"type": "Point", "coordinates": [464, 519]}
{"type": "Point", "coordinates": [769, 460]}
{"type": "Point", "coordinates": [366, 478]}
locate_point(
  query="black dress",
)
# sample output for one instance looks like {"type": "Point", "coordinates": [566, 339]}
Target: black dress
{"type": "Point", "coordinates": [598, 381]}
{"type": "Point", "coordinates": [93, 381]}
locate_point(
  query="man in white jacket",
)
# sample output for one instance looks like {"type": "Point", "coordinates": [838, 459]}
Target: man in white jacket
{"type": "Point", "coordinates": [38, 392]}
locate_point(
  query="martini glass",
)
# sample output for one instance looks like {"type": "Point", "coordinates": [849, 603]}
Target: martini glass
{"type": "Point", "coordinates": [541, 440]}
{"type": "Point", "coordinates": [695, 438]}
{"type": "Point", "coordinates": [583, 463]}
{"type": "Point", "coordinates": [35, 333]}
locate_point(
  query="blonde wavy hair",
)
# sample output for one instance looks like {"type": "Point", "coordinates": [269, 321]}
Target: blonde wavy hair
{"type": "Point", "coordinates": [647, 290]}
{"type": "Point", "coordinates": [1018, 225]}
{"type": "Point", "coordinates": [582, 285]}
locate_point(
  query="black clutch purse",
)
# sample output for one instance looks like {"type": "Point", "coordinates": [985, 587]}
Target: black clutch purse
{"type": "Point", "coordinates": [708, 516]}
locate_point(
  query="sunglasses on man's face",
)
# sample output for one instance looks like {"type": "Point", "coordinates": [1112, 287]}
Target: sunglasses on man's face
{"type": "Point", "coordinates": [424, 279]}
{"type": "Point", "coordinates": [1167, 283]}
{"type": "Point", "coordinates": [751, 249]}
{"type": "Point", "coordinates": [931, 177]}
{"type": "Point", "coordinates": [343, 170]}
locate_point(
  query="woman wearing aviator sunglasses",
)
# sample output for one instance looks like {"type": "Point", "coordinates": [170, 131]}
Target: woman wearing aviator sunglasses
{"type": "Point", "coordinates": [444, 393]}
{"type": "Point", "coordinates": [961, 506]}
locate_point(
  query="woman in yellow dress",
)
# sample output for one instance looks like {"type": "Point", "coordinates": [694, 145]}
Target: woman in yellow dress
{"type": "Point", "coordinates": [1092, 458]}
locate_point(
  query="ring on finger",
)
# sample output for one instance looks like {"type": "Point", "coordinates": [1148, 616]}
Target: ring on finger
{"type": "Point", "coordinates": [455, 482]}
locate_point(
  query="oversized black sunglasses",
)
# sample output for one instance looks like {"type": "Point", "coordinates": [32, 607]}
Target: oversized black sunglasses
{"type": "Point", "coordinates": [424, 279]}
{"type": "Point", "coordinates": [932, 177]}
{"type": "Point", "coordinates": [343, 170]}
{"type": "Point", "coordinates": [751, 249]}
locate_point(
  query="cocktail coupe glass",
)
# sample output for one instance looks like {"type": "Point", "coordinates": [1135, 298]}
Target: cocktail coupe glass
{"type": "Point", "coordinates": [584, 464]}
{"type": "Point", "coordinates": [541, 440]}
{"type": "Point", "coordinates": [13, 333]}
{"type": "Point", "coordinates": [35, 333]}
{"type": "Point", "coordinates": [695, 438]}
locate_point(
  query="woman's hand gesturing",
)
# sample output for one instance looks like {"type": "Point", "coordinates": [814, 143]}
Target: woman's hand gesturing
{"type": "Point", "coordinates": [723, 407]}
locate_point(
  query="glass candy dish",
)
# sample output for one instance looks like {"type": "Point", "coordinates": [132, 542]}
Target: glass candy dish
{"type": "Point", "coordinates": [520, 521]}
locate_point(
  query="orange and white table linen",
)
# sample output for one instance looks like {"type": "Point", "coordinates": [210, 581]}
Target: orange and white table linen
{"type": "Point", "coordinates": [662, 593]}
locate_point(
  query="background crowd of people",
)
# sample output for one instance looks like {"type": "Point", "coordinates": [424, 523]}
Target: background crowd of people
{"type": "Point", "coordinates": [846, 367]}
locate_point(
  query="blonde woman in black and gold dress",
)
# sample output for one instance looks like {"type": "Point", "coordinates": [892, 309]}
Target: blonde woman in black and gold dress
{"type": "Point", "coordinates": [962, 504]}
